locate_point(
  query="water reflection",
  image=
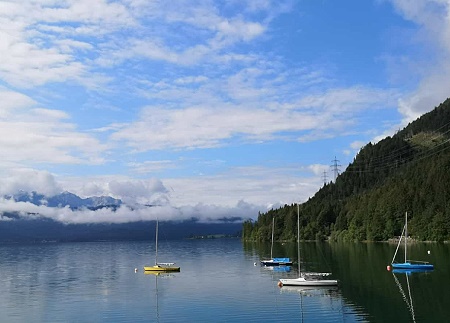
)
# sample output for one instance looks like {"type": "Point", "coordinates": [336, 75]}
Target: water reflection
{"type": "Point", "coordinates": [365, 284]}
{"type": "Point", "coordinates": [407, 298]}
{"type": "Point", "coordinates": [158, 275]}
{"type": "Point", "coordinates": [321, 291]}
{"type": "Point", "coordinates": [318, 303]}
{"type": "Point", "coordinates": [279, 269]}
{"type": "Point", "coordinates": [411, 271]}
{"type": "Point", "coordinates": [407, 295]}
{"type": "Point", "coordinates": [96, 282]}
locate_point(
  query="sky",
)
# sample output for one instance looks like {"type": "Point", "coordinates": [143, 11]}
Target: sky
{"type": "Point", "coordinates": [206, 109]}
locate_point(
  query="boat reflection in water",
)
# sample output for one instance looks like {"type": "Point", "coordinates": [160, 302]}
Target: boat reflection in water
{"type": "Point", "coordinates": [279, 269]}
{"type": "Point", "coordinates": [317, 303]}
{"type": "Point", "coordinates": [326, 291]}
{"type": "Point", "coordinates": [158, 275]}
{"type": "Point", "coordinates": [411, 271]}
{"type": "Point", "coordinates": [408, 297]}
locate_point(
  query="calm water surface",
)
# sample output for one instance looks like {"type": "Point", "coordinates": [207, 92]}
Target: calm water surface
{"type": "Point", "coordinates": [218, 282]}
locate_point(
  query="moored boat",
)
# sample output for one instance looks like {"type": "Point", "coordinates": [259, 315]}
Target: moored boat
{"type": "Point", "coordinates": [306, 279]}
{"type": "Point", "coordinates": [275, 261]}
{"type": "Point", "coordinates": [408, 264]}
{"type": "Point", "coordinates": [161, 266]}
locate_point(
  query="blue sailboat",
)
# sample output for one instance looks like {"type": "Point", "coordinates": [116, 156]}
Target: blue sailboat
{"type": "Point", "coordinates": [411, 265]}
{"type": "Point", "coordinates": [275, 261]}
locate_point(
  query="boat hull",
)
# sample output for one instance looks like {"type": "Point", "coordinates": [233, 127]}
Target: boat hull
{"type": "Point", "coordinates": [301, 281]}
{"type": "Point", "coordinates": [274, 263]}
{"type": "Point", "coordinates": [161, 269]}
{"type": "Point", "coordinates": [310, 290]}
{"type": "Point", "coordinates": [412, 266]}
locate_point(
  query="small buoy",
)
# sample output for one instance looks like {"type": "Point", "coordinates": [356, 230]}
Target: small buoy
{"type": "Point", "coordinates": [280, 284]}
{"type": "Point", "coordinates": [429, 252]}
{"type": "Point", "coordinates": [254, 264]}
{"type": "Point", "coordinates": [135, 270]}
{"type": "Point", "coordinates": [388, 268]}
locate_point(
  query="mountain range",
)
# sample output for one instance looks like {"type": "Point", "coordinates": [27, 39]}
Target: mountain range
{"type": "Point", "coordinates": [64, 199]}
{"type": "Point", "coordinates": [16, 228]}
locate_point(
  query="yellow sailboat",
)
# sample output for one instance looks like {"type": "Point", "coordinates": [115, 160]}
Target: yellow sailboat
{"type": "Point", "coordinates": [161, 266]}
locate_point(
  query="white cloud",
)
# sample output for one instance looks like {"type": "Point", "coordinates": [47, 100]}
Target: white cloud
{"type": "Point", "coordinates": [151, 166]}
{"type": "Point", "coordinates": [238, 29]}
{"type": "Point", "coordinates": [43, 31]}
{"type": "Point", "coordinates": [47, 64]}
{"type": "Point", "coordinates": [260, 115]}
{"type": "Point", "coordinates": [74, 40]}
{"type": "Point", "coordinates": [13, 101]}
{"type": "Point", "coordinates": [249, 190]}
{"type": "Point", "coordinates": [29, 180]}
{"type": "Point", "coordinates": [125, 214]}
{"type": "Point", "coordinates": [191, 79]}
{"type": "Point", "coordinates": [253, 185]}
{"type": "Point", "coordinates": [349, 100]}
{"type": "Point", "coordinates": [67, 216]}
{"type": "Point", "coordinates": [431, 91]}
{"type": "Point", "coordinates": [204, 127]}
{"type": "Point", "coordinates": [433, 21]}
{"type": "Point", "coordinates": [318, 169]}
{"type": "Point", "coordinates": [38, 135]}
{"type": "Point", "coordinates": [151, 191]}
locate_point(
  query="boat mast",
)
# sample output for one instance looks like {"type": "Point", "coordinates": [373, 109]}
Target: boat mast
{"type": "Point", "coordinates": [273, 229]}
{"type": "Point", "coordinates": [398, 244]}
{"type": "Point", "coordinates": [156, 254]}
{"type": "Point", "coordinates": [298, 238]}
{"type": "Point", "coordinates": [406, 233]}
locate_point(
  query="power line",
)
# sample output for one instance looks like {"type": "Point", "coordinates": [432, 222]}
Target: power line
{"type": "Point", "coordinates": [391, 163]}
{"type": "Point", "coordinates": [401, 155]}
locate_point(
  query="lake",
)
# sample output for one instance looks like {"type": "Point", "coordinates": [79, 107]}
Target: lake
{"type": "Point", "coordinates": [218, 282]}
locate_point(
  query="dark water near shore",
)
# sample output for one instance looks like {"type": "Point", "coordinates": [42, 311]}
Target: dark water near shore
{"type": "Point", "coordinates": [218, 282]}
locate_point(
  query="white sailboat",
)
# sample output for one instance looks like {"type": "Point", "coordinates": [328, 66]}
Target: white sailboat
{"type": "Point", "coordinates": [275, 261]}
{"type": "Point", "coordinates": [161, 266]}
{"type": "Point", "coordinates": [306, 279]}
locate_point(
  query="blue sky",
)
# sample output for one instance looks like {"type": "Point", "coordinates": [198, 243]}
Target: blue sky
{"type": "Point", "coordinates": [207, 108]}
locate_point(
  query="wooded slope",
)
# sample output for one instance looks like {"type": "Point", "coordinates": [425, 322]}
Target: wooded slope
{"type": "Point", "coordinates": [407, 172]}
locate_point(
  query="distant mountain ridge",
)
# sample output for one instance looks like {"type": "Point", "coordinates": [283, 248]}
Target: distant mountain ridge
{"type": "Point", "coordinates": [16, 228]}
{"type": "Point", "coordinates": [64, 199]}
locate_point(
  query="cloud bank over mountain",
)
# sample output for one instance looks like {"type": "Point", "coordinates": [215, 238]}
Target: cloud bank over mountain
{"type": "Point", "coordinates": [135, 202]}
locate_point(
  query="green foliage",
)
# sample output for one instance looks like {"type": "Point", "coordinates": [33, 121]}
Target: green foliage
{"type": "Point", "coordinates": [406, 172]}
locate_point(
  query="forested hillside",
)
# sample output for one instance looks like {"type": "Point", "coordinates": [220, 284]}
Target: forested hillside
{"type": "Point", "coordinates": [407, 172]}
